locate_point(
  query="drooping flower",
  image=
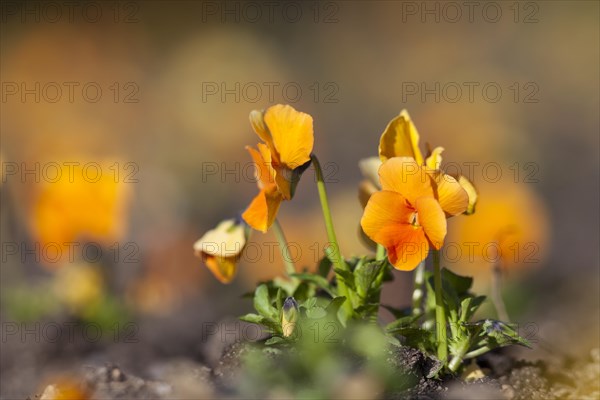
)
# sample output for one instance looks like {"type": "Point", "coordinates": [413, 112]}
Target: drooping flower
{"type": "Point", "coordinates": [221, 248]}
{"type": "Point", "coordinates": [408, 216]}
{"type": "Point", "coordinates": [401, 139]}
{"type": "Point", "coordinates": [288, 142]}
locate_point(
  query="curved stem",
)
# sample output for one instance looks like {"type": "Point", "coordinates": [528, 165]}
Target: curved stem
{"type": "Point", "coordinates": [440, 311]}
{"type": "Point", "coordinates": [290, 268]}
{"type": "Point", "coordinates": [336, 254]}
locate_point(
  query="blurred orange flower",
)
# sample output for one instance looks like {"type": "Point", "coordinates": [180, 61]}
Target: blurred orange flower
{"type": "Point", "coordinates": [288, 142]}
{"type": "Point", "coordinates": [78, 206]}
{"type": "Point", "coordinates": [409, 214]}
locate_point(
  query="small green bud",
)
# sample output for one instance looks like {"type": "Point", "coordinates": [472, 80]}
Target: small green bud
{"type": "Point", "coordinates": [289, 316]}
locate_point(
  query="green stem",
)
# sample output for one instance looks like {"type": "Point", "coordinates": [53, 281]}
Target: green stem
{"type": "Point", "coordinates": [440, 311]}
{"type": "Point", "coordinates": [290, 268]}
{"type": "Point", "coordinates": [497, 292]}
{"type": "Point", "coordinates": [380, 255]}
{"type": "Point", "coordinates": [336, 254]}
{"type": "Point", "coordinates": [476, 353]}
{"type": "Point", "coordinates": [417, 297]}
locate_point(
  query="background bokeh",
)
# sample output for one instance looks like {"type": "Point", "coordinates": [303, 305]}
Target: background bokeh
{"type": "Point", "coordinates": [167, 130]}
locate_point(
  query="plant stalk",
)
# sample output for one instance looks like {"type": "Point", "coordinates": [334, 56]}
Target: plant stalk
{"type": "Point", "coordinates": [290, 268]}
{"type": "Point", "coordinates": [336, 255]}
{"type": "Point", "coordinates": [440, 310]}
{"type": "Point", "coordinates": [417, 296]}
{"type": "Point", "coordinates": [497, 292]}
{"type": "Point", "coordinates": [380, 255]}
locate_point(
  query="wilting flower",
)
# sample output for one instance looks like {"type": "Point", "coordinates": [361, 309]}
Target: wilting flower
{"type": "Point", "coordinates": [288, 142]}
{"type": "Point", "coordinates": [221, 248]}
{"type": "Point", "coordinates": [401, 139]}
{"type": "Point", "coordinates": [289, 316]}
{"type": "Point", "coordinates": [408, 216]}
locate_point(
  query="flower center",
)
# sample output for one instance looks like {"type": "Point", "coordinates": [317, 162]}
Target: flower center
{"type": "Point", "coordinates": [414, 220]}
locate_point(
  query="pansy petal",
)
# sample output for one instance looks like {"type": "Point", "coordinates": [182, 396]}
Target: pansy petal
{"type": "Point", "coordinates": [400, 139]}
{"type": "Point", "coordinates": [434, 159]}
{"type": "Point", "coordinates": [260, 127]}
{"type": "Point", "coordinates": [263, 171]}
{"type": "Point", "coordinates": [450, 194]}
{"type": "Point", "coordinates": [262, 211]}
{"type": "Point", "coordinates": [228, 239]}
{"type": "Point", "coordinates": [385, 213]}
{"type": "Point", "coordinates": [431, 217]}
{"type": "Point", "coordinates": [471, 192]}
{"type": "Point", "coordinates": [223, 268]}
{"type": "Point", "coordinates": [292, 133]}
{"type": "Point", "coordinates": [403, 175]}
{"type": "Point", "coordinates": [410, 249]}
{"type": "Point", "coordinates": [283, 179]}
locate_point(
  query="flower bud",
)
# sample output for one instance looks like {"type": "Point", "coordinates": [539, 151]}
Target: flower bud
{"type": "Point", "coordinates": [289, 316]}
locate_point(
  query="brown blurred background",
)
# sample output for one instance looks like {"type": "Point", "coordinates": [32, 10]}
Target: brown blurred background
{"type": "Point", "coordinates": [154, 96]}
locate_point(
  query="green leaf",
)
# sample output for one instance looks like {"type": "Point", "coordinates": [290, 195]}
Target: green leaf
{"type": "Point", "coordinates": [262, 302]}
{"type": "Point", "coordinates": [401, 323]}
{"type": "Point", "coordinates": [274, 340]}
{"type": "Point", "coordinates": [324, 267]}
{"type": "Point", "coordinates": [310, 303]}
{"type": "Point", "coordinates": [335, 304]}
{"type": "Point", "coordinates": [316, 312]}
{"type": "Point", "coordinates": [469, 306]}
{"type": "Point", "coordinates": [499, 334]}
{"type": "Point", "coordinates": [365, 274]}
{"type": "Point", "coordinates": [347, 277]}
{"type": "Point", "coordinates": [253, 318]}
{"type": "Point", "coordinates": [460, 284]}
{"type": "Point", "coordinates": [303, 292]}
{"type": "Point", "coordinates": [279, 299]}
{"type": "Point", "coordinates": [318, 280]}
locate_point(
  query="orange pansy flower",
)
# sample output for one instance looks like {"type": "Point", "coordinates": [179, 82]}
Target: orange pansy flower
{"type": "Point", "coordinates": [401, 139]}
{"type": "Point", "coordinates": [288, 142]}
{"type": "Point", "coordinates": [408, 216]}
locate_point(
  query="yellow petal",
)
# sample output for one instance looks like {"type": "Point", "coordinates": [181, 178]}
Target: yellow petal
{"type": "Point", "coordinates": [263, 169]}
{"type": "Point", "coordinates": [431, 217]}
{"type": "Point", "coordinates": [260, 127]}
{"type": "Point", "coordinates": [262, 211]}
{"type": "Point", "coordinates": [292, 133]}
{"type": "Point", "coordinates": [387, 221]}
{"type": "Point", "coordinates": [403, 175]}
{"type": "Point", "coordinates": [411, 248]}
{"type": "Point", "coordinates": [385, 211]}
{"type": "Point", "coordinates": [223, 268]}
{"type": "Point", "coordinates": [468, 186]}
{"type": "Point", "coordinates": [450, 194]}
{"type": "Point", "coordinates": [434, 160]}
{"type": "Point", "coordinates": [228, 239]}
{"type": "Point", "coordinates": [283, 179]}
{"type": "Point", "coordinates": [400, 139]}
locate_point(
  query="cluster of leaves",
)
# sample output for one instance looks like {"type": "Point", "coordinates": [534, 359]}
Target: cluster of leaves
{"type": "Point", "coordinates": [466, 338]}
{"type": "Point", "coordinates": [318, 300]}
